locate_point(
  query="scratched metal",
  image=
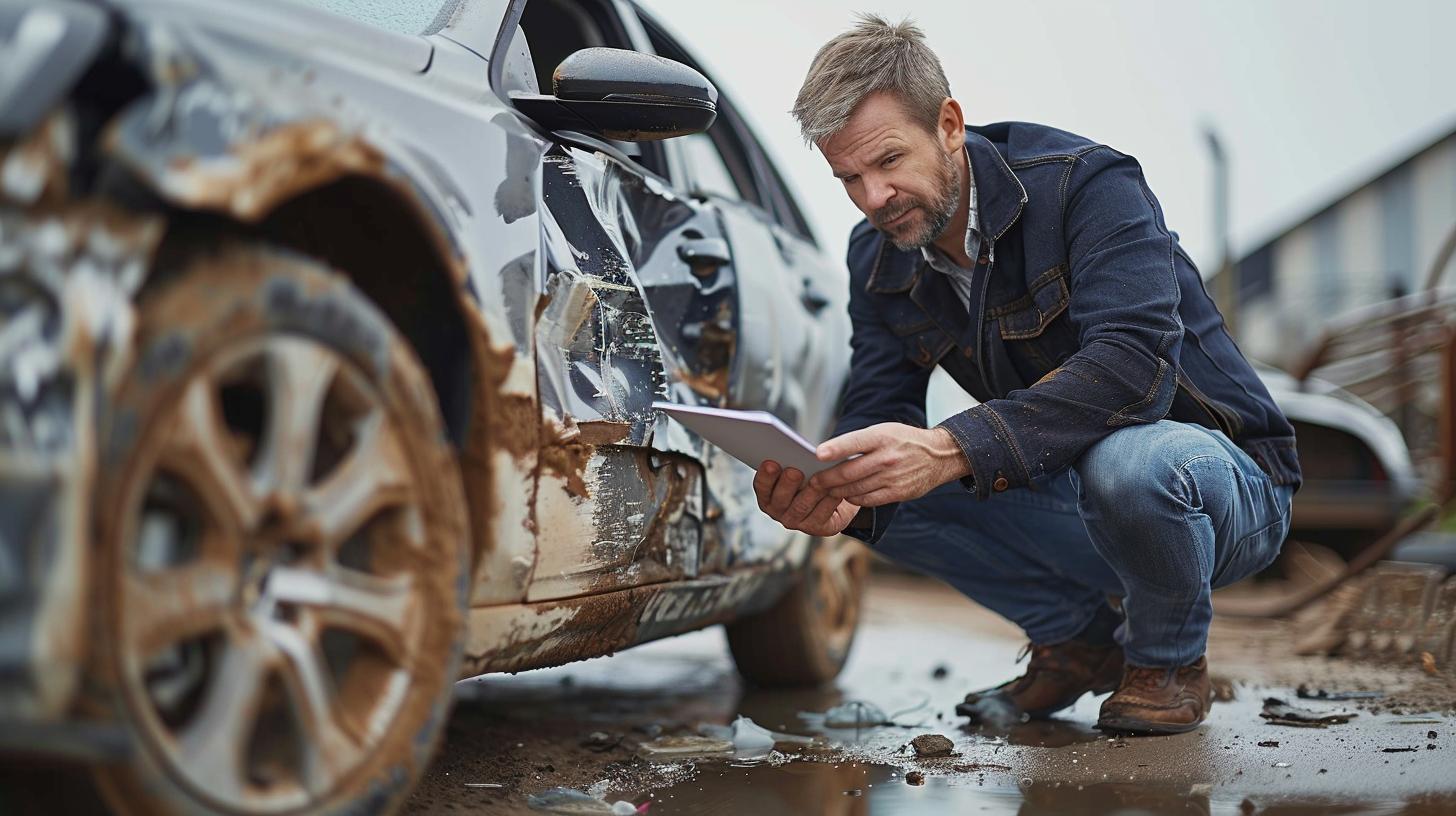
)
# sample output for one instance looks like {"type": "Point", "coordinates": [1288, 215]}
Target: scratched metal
{"type": "Point", "coordinates": [544, 283]}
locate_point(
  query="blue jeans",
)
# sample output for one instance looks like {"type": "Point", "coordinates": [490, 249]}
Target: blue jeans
{"type": "Point", "coordinates": [1159, 514]}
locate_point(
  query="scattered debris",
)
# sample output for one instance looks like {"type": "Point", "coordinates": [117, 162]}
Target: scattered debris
{"type": "Point", "coordinates": [932, 745]}
{"type": "Point", "coordinates": [1428, 663]}
{"type": "Point", "coordinates": [1419, 722]}
{"type": "Point", "coordinates": [751, 738]}
{"type": "Point", "coordinates": [1282, 765]}
{"type": "Point", "coordinates": [484, 785]}
{"type": "Point", "coordinates": [940, 672]}
{"type": "Point", "coordinates": [652, 730]}
{"type": "Point", "coordinates": [853, 714]}
{"type": "Point", "coordinates": [1278, 712]}
{"type": "Point", "coordinates": [1430, 747]}
{"type": "Point", "coordinates": [1223, 689]}
{"type": "Point", "coordinates": [1398, 750]}
{"type": "Point", "coordinates": [854, 792]}
{"type": "Point", "coordinates": [993, 710]}
{"type": "Point", "coordinates": [1269, 744]}
{"type": "Point", "coordinates": [572, 802]}
{"type": "Point", "coordinates": [753, 741]}
{"type": "Point", "coordinates": [668, 749]}
{"type": "Point", "coordinates": [968, 767]}
{"type": "Point", "coordinates": [1430, 735]}
{"type": "Point", "coordinates": [601, 741]}
{"type": "Point", "coordinates": [915, 778]}
{"type": "Point", "coordinates": [1306, 693]}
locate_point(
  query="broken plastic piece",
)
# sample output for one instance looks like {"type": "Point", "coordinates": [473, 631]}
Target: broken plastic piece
{"type": "Point", "coordinates": [1306, 693]}
{"type": "Point", "coordinates": [1278, 712]}
{"type": "Point", "coordinates": [673, 748]}
{"type": "Point", "coordinates": [570, 801]}
{"type": "Point", "coordinates": [849, 715]}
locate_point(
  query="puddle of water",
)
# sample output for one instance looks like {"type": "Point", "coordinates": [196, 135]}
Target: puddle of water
{"type": "Point", "coordinates": [858, 789]}
{"type": "Point", "coordinates": [844, 789]}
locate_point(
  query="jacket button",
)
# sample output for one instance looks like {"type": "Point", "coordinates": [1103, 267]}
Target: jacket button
{"type": "Point", "coordinates": [969, 351]}
{"type": "Point", "coordinates": [1000, 484]}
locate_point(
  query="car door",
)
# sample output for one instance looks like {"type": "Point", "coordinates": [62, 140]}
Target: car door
{"type": "Point", "coordinates": [792, 353]}
{"type": "Point", "coordinates": [638, 307]}
{"type": "Point", "coordinates": [793, 343]}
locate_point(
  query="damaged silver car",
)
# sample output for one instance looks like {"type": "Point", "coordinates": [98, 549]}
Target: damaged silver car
{"type": "Point", "coordinates": [329, 333]}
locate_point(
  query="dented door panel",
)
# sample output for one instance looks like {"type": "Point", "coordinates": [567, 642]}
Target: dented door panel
{"type": "Point", "coordinates": [626, 322]}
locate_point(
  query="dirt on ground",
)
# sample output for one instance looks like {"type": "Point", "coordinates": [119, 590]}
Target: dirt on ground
{"type": "Point", "coordinates": [920, 649]}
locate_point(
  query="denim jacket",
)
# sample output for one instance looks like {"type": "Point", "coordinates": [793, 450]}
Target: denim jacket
{"type": "Point", "coordinates": [1087, 317]}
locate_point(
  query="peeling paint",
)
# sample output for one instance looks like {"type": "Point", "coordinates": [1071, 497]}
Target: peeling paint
{"type": "Point", "coordinates": [35, 170]}
{"type": "Point", "coordinates": [564, 454]}
{"type": "Point", "coordinates": [533, 635]}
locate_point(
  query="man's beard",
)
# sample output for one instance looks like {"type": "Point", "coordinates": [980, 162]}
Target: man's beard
{"type": "Point", "coordinates": [948, 186]}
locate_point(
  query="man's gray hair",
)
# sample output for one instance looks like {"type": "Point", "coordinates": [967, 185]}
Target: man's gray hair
{"type": "Point", "coordinates": [873, 56]}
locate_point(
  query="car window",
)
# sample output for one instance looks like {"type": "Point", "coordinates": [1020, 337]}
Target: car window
{"type": "Point", "coordinates": [754, 177]}
{"type": "Point", "coordinates": [403, 16]}
{"type": "Point", "coordinates": [556, 29]}
{"type": "Point", "coordinates": [711, 175]}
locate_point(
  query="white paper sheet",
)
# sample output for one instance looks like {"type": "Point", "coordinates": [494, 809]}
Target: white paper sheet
{"type": "Point", "coordinates": [749, 436]}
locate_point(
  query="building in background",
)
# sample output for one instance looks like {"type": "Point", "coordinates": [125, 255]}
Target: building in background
{"type": "Point", "coordinates": [1375, 242]}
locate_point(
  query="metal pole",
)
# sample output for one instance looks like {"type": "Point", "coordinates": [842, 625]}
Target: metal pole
{"type": "Point", "coordinates": [1446, 490]}
{"type": "Point", "coordinates": [1228, 288]}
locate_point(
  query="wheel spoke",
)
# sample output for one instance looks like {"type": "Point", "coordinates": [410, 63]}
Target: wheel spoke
{"type": "Point", "coordinates": [167, 607]}
{"type": "Point", "coordinates": [199, 448]}
{"type": "Point", "coordinates": [367, 605]}
{"type": "Point", "coordinates": [215, 740]}
{"type": "Point", "coordinates": [298, 375]}
{"type": "Point", "coordinates": [330, 749]}
{"type": "Point", "coordinates": [373, 477]}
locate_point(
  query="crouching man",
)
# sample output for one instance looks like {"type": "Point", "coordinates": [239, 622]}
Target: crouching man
{"type": "Point", "coordinates": [1123, 447]}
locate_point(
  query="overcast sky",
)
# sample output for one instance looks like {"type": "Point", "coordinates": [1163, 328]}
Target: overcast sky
{"type": "Point", "coordinates": [1309, 96]}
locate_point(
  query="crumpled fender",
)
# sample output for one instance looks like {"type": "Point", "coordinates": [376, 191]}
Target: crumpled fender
{"type": "Point", "coordinates": [45, 47]}
{"type": "Point", "coordinates": [201, 145]}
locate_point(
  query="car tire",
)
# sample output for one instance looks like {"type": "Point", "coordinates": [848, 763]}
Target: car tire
{"type": "Point", "coordinates": [805, 637]}
{"type": "Point", "coordinates": [281, 565]}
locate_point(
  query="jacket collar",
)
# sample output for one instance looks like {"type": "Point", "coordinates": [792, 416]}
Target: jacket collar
{"type": "Point", "coordinates": [1000, 198]}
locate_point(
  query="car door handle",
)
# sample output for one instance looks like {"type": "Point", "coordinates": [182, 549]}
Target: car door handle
{"type": "Point", "coordinates": [704, 255]}
{"type": "Point", "coordinates": [813, 299]}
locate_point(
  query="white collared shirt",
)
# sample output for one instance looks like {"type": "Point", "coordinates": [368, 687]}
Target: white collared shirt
{"type": "Point", "coordinates": [961, 277]}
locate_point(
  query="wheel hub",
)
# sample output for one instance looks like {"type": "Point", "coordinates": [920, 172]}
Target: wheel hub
{"type": "Point", "coordinates": [267, 620]}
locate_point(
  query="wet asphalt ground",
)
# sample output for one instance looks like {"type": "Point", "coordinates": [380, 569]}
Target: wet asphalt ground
{"type": "Point", "coordinates": [920, 648]}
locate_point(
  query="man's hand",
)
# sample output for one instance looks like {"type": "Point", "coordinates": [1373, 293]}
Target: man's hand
{"type": "Point", "coordinates": [897, 463]}
{"type": "Point", "coordinates": [787, 499]}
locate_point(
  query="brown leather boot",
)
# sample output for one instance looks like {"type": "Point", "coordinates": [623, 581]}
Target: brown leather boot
{"type": "Point", "coordinates": [1159, 701]}
{"type": "Point", "coordinates": [1058, 674]}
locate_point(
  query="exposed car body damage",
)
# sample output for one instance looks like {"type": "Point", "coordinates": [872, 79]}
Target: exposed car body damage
{"type": "Point", "coordinates": [233, 204]}
{"type": "Point", "coordinates": [580, 497]}
{"type": "Point", "coordinates": [68, 270]}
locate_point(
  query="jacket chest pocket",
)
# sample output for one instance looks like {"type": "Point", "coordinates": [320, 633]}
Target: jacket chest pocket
{"type": "Point", "coordinates": [1030, 323]}
{"type": "Point", "coordinates": [923, 341]}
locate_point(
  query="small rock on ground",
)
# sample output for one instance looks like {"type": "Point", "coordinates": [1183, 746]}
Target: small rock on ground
{"type": "Point", "coordinates": [932, 745]}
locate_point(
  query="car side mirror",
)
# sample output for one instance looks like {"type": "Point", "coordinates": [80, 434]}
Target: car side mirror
{"type": "Point", "coordinates": [624, 95]}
